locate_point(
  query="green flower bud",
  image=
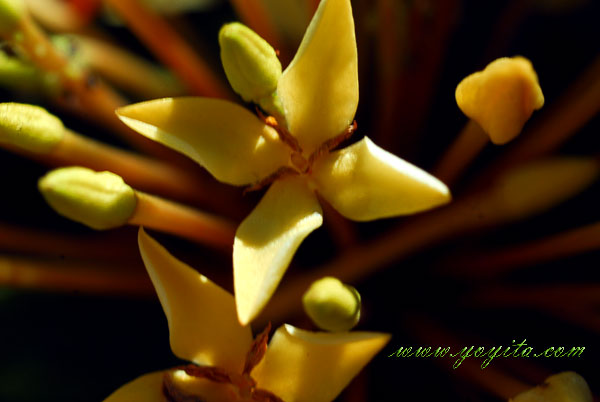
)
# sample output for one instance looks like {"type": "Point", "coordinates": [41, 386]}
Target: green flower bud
{"type": "Point", "coordinates": [250, 63]}
{"type": "Point", "coordinates": [332, 305]}
{"type": "Point", "coordinates": [19, 76]}
{"type": "Point", "coordinates": [100, 200]}
{"type": "Point", "coordinates": [563, 387]}
{"type": "Point", "coordinates": [11, 12]}
{"type": "Point", "coordinates": [29, 127]}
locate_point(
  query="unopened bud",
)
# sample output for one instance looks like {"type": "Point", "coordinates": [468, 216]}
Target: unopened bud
{"type": "Point", "coordinates": [11, 12]}
{"type": "Point", "coordinates": [29, 127]}
{"type": "Point", "coordinates": [250, 63]}
{"type": "Point", "coordinates": [501, 98]}
{"type": "Point", "coordinates": [332, 305]}
{"type": "Point", "coordinates": [100, 200]}
{"type": "Point", "coordinates": [562, 387]}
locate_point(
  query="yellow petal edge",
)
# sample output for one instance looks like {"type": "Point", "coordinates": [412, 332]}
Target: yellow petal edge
{"type": "Point", "coordinates": [563, 387]}
{"type": "Point", "coordinates": [267, 239]}
{"type": "Point", "coordinates": [365, 182]}
{"type": "Point", "coordinates": [303, 366]}
{"type": "Point", "coordinates": [146, 388]}
{"type": "Point", "coordinates": [319, 89]}
{"type": "Point", "coordinates": [226, 139]}
{"type": "Point", "coordinates": [203, 325]}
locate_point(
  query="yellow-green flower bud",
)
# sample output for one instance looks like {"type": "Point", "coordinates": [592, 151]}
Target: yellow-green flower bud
{"type": "Point", "coordinates": [19, 76]}
{"type": "Point", "coordinates": [11, 12]}
{"type": "Point", "coordinates": [332, 305]}
{"type": "Point", "coordinates": [29, 127]}
{"type": "Point", "coordinates": [562, 387]}
{"type": "Point", "coordinates": [100, 200]}
{"type": "Point", "coordinates": [250, 63]}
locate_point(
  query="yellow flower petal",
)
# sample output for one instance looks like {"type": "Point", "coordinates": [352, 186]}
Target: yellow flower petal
{"type": "Point", "coordinates": [319, 89]}
{"type": "Point", "coordinates": [229, 141]}
{"type": "Point", "coordinates": [567, 386]}
{"type": "Point", "coordinates": [314, 366]}
{"type": "Point", "coordinates": [147, 388]}
{"type": "Point", "coordinates": [267, 239]}
{"type": "Point", "coordinates": [200, 389]}
{"type": "Point", "coordinates": [364, 182]}
{"type": "Point", "coordinates": [202, 320]}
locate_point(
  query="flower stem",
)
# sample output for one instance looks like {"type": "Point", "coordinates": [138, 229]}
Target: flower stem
{"type": "Point", "coordinates": [35, 241]}
{"type": "Point", "coordinates": [342, 230]}
{"type": "Point", "coordinates": [139, 171]}
{"type": "Point", "coordinates": [91, 98]}
{"type": "Point", "coordinates": [160, 214]}
{"type": "Point", "coordinates": [30, 273]}
{"type": "Point", "coordinates": [254, 14]}
{"type": "Point", "coordinates": [170, 48]}
{"type": "Point", "coordinates": [127, 70]}
{"type": "Point", "coordinates": [58, 16]}
{"type": "Point", "coordinates": [571, 242]}
{"type": "Point", "coordinates": [470, 141]}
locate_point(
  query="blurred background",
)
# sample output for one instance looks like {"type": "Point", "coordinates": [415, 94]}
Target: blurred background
{"type": "Point", "coordinates": [65, 340]}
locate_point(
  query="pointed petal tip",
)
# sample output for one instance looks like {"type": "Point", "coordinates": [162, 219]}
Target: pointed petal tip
{"type": "Point", "coordinates": [302, 365]}
{"type": "Point", "coordinates": [319, 89]}
{"type": "Point", "coordinates": [226, 139]}
{"type": "Point", "coordinates": [267, 239]}
{"type": "Point", "coordinates": [364, 182]}
{"type": "Point", "coordinates": [203, 325]}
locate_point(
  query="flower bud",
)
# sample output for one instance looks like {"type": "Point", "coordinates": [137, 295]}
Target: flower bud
{"type": "Point", "coordinates": [100, 200]}
{"type": "Point", "coordinates": [29, 127]}
{"type": "Point", "coordinates": [563, 387]}
{"type": "Point", "coordinates": [501, 98]}
{"type": "Point", "coordinates": [332, 305]}
{"type": "Point", "coordinates": [250, 63]}
{"type": "Point", "coordinates": [11, 11]}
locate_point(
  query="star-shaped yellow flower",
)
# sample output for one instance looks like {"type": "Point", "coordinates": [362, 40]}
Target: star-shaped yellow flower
{"type": "Point", "coordinates": [297, 365]}
{"type": "Point", "coordinates": [319, 95]}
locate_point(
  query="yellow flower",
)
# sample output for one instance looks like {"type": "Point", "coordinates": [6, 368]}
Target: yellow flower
{"type": "Point", "coordinates": [297, 365]}
{"type": "Point", "coordinates": [319, 95]}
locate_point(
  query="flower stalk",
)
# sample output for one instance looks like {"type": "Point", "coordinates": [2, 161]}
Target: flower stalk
{"type": "Point", "coordinates": [170, 48]}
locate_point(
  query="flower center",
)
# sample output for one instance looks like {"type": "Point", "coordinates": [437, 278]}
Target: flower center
{"type": "Point", "coordinates": [300, 164]}
{"type": "Point", "coordinates": [244, 383]}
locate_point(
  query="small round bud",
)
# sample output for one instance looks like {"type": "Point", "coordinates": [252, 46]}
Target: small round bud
{"type": "Point", "coordinates": [332, 305]}
{"type": "Point", "coordinates": [100, 200]}
{"type": "Point", "coordinates": [250, 63]}
{"type": "Point", "coordinates": [29, 127]}
{"type": "Point", "coordinates": [563, 387]}
{"type": "Point", "coordinates": [501, 98]}
{"type": "Point", "coordinates": [11, 12]}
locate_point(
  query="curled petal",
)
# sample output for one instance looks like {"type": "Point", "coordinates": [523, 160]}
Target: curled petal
{"type": "Point", "coordinates": [314, 366]}
{"type": "Point", "coordinates": [267, 239]}
{"type": "Point", "coordinates": [319, 89]}
{"type": "Point", "coordinates": [364, 182]}
{"type": "Point", "coordinates": [226, 139]}
{"type": "Point", "coordinates": [147, 388]}
{"type": "Point", "coordinates": [202, 320]}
